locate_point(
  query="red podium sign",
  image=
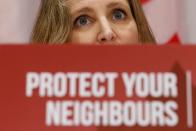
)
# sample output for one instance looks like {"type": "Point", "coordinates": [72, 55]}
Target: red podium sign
{"type": "Point", "coordinates": [97, 88]}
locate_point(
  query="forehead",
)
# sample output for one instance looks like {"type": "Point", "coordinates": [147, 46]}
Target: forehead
{"type": "Point", "coordinates": [75, 5]}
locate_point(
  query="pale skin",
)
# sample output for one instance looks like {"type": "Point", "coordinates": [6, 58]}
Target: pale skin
{"type": "Point", "coordinates": [102, 22]}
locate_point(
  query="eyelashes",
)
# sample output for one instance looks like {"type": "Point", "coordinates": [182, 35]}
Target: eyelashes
{"type": "Point", "coordinates": [85, 20]}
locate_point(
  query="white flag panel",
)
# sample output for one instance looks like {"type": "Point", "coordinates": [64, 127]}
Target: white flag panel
{"type": "Point", "coordinates": [172, 20]}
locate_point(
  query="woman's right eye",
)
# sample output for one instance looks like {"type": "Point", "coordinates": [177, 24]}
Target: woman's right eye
{"type": "Point", "coordinates": [119, 14]}
{"type": "Point", "coordinates": [82, 21]}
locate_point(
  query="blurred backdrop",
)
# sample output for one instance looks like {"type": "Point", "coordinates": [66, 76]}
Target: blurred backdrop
{"type": "Point", "coordinates": [172, 21]}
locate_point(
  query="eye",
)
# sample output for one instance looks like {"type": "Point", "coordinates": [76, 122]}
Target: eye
{"type": "Point", "coordinates": [119, 14]}
{"type": "Point", "coordinates": [82, 21]}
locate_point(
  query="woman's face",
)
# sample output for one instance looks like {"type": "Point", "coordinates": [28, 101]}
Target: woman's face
{"type": "Point", "coordinates": [102, 22]}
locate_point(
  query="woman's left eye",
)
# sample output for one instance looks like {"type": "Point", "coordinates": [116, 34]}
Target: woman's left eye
{"type": "Point", "coordinates": [118, 15]}
{"type": "Point", "coordinates": [82, 21]}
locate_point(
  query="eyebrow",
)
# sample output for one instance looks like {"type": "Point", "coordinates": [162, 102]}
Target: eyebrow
{"type": "Point", "coordinates": [83, 10]}
{"type": "Point", "coordinates": [87, 9]}
{"type": "Point", "coordinates": [113, 4]}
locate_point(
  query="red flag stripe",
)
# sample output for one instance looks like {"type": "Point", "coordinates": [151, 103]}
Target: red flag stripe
{"type": "Point", "coordinates": [144, 1]}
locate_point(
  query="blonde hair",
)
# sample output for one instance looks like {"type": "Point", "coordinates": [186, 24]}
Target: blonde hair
{"type": "Point", "coordinates": [54, 23]}
{"type": "Point", "coordinates": [145, 33]}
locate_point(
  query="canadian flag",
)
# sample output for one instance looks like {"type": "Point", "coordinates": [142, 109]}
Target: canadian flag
{"type": "Point", "coordinates": [172, 21]}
